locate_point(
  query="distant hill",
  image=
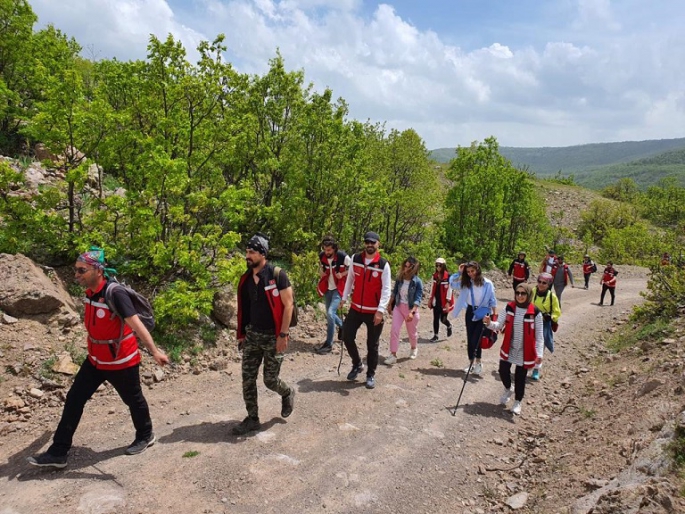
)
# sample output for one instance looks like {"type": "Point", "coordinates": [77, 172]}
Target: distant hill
{"type": "Point", "coordinates": [599, 164]}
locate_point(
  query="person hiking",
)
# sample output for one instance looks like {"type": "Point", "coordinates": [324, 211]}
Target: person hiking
{"type": "Point", "coordinates": [522, 343]}
{"type": "Point", "coordinates": [334, 264]}
{"type": "Point", "coordinates": [441, 299]}
{"type": "Point", "coordinates": [265, 308]}
{"type": "Point", "coordinates": [549, 262]}
{"type": "Point", "coordinates": [404, 303]}
{"type": "Point", "coordinates": [113, 356]}
{"type": "Point", "coordinates": [589, 267]}
{"type": "Point", "coordinates": [608, 282]}
{"type": "Point", "coordinates": [562, 276]}
{"type": "Point", "coordinates": [368, 286]}
{"type": "Point", "coordinates": [547, 302]}
{"type": "Point", "coordinates": [519, 270]}
{"type": "Point", "coordinates": [476, 294]}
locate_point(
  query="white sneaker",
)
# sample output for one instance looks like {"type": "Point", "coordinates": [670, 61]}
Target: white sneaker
{"type": "Point", "coordinates": [516, 408]}
{"type": "Point", "coordinates": [506, 396]}
{"type": "Point", "coordinates": [414, 352]}
{"type": "Point", "coordinates": [478, 368]}
{"type": "Point", "coordinates": [467, 368]}
{"type": "Point", "coordinates": [390, 360]}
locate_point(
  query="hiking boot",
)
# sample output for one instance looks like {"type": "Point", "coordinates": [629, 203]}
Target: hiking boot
{"type": "Point", "coordinates": [478, 368]}
{"type": "Point", "coordinates": [352, 375]}
{"type": "Point", "coordinates": [370, 382]}
{"type": "Point", "coordinates": [140, 445]}
{"type": "Point", "coordinates": [45, 460]}
{"type": "Point", "coordinates": [288, 403]}
{"type": "Point", "coordinates": [414, 352]}
{"type": "Point", "coordinates": [449, 331]}
{"type": "Point", "coordinates": [324, 349]}
{"type": "Point", "coordinates": [536, 375]}
{"type": "Point", "coordinates": [247, 425]}
{"type": "Point", "coordinates": [516, 408]}
{"type": "Point", "coordinates": [434, 339]}
{"type": "Point", "coordinates": [340, 334]}
{"type": "Point", "coordinates": [390, 360]}
{"type": "Point", "coordinates": [506, 396]}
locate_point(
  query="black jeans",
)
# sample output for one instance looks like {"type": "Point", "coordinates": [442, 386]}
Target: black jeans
{"type": "Point", "coordinates": [587, 276]}
{"type": "Point", "coordinates": [474, 330]}
{"type": "Point", "coordinates": [612, 292]}
{"type": "Point", "coordinates": [353, 321]}
{"type": "Point", "coordinates": [439, 317]}
{"type": "Point", "coordinates": [88, 379]}
{"type": "Point", "coordinates": [519, 378]}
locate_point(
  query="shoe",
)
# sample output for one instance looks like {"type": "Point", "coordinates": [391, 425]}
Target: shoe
{"type": "Point", "coordinates": [467, 368]}
{"type": "Point", "coordinates": [601, 304]}
{"type": "Point", "coordinates": [506, 396]}
{"type": "Point", "coordinates": [288, 403]}
{"type": "Point", "coordinates": [414, 352]}
{"type": "Point", "coordinates": [140, 445]}
{"type": "Point", "coordinates": [340, 334]}
{"type": "Point", "coordinates": [478, 368]}
{"type": "Point", "coordinates": [390, 360]}
{"type": "Point", "coordinates": [370, 382]}
{"type": "Point", "coordinates": [449, 331]}
{"type": "Point", "coordinates": [352, 375]}
{"type": "Point", "coordinates": [434, 339]}
{"type": "Point", "coordinates": [516, 408]}
{"type": "Point", "coordinates": [585, 287]}
{"type": "Point", "coordinates": [247, 425]}
{"type": "Point", "coordinates": [323, 349]}
{"type": "Point", "coordinates": [536, 375]}
{"type": "Point", "coordinates": [45, 460]}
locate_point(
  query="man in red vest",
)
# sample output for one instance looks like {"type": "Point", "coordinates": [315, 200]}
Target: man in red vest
{"type": "Point", "coordinates": [368, 285]}
{"type": "Point", "coordinates": [608, 282]}
{"type": "Point", "coordinates": [519, 270]}
{"type": "Point", "coordinates": [334, 265]}
{"type": "Point", "coordinates": [265, 307]}
{"type": "Point", "coordinates": [113, 356]}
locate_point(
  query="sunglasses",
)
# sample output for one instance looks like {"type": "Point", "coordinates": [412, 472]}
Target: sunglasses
{"type": "Point", "coordinates": [369, 242]}
{"type": "Point", "coordinates": [521, 293]}
{"type": "Point", "coordinates": [543, 282]}
{"type": "Point", "coordinates": [80, 271]}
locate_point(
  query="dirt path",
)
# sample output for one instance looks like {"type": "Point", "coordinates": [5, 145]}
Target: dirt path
{"type": "Point", "coordinates": [345, 449]}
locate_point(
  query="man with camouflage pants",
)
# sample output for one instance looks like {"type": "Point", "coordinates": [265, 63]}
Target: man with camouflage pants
{"type": "Point", "coordinates": [265, 307]}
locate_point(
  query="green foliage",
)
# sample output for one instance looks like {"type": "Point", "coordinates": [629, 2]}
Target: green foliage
{"type": "Point", "coordinates": [437, 362]}
{"type": "Point", "coordinates": [561, 179]}
{"type": "Point", "coordinates": [190, 454]}
{"type": "Point", "coordinates": [650, 329]}
{"type": "Point", "coordinates": [634, 244]}
{"type": "Point", "coordinates": [665, 295]}
{"type": "Point", "coordinates": [604, 215]}
{"type": "Point", "coordinates": [304, 276]}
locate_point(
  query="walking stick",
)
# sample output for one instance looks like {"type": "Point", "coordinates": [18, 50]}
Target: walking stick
{"type": "Point", "coordinates": [454, 413]}
{"type": "Point", "coordinates": [342, 342]}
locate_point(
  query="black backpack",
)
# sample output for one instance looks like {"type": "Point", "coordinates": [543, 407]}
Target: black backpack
{"type": "Point", "coordinates": [594, 267]}
{"type": "Point", "coordinates": [293, 318]}
{"type": "Point", "coordinates": [140, 304]}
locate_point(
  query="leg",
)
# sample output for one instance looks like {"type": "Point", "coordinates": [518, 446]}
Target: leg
{"type": "Point", "coordinates": [472, 335]}
{"type": "Point", "coordinates": [252, 359]}
{"type": "Point", "coordinates": [87, 380]}
{"type": "Point", "coordinates": [587, 276]}
{"type": "Point", "coordinates": [413, 330]}
{"type": "Point", "coordinates": [372, 338]}
{"type": "Point", "coordinates": [272, 367]}
{"type": "Point", "coordinates": [127, 384]}
{"type": "Point", "coordinates": [437, 314]}
{"type": "Point", "coordinates": [559, 291]}
{"type": "Point", "coordinates": [445, 321]}
{"type": "Point", "coordinates": [505, 373]}
{"type": "Point", "coordinates": [353, 321]}
{"type": "Point", "coordinates": [396, 327]}
{"type": "Point", "coordinates": [520, 382]}
{"type": "Point", "coordinates": [604, 290]}
{"type": "Point", "coordinates": [612, 292]}
{"type": "Point", "coordinates": [330, 318]}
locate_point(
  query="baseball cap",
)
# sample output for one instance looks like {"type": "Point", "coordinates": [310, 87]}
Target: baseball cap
{"type": "Point", "coordinates": [371, 236]}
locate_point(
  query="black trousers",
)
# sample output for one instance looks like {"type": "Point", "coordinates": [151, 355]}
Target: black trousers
{"type": "Point", "coordinates": [439, 317]}
{"type": "Point", "coordinates": [353, 321]}
{"type": "Point", "coordinates": [88, 379]}
{"type": "Point", "coordinates": [612, 292]}
{"type": "Point", "coordinates": [519, 378]}
{"type": "Point", "coordinates": [474, 329]}
{"type": "Point", "coordinates": [587, 276]}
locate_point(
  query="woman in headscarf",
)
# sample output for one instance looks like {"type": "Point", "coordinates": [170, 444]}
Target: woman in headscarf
{"type": "Point", "coordinates": [405, 300]}
{"type": "Point", "coordinates": [522, 343]}
{"type": "Point", "coordinates": [546, 300]}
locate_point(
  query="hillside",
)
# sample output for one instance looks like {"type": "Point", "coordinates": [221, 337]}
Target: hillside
{"type": "Point", "coordinates": [599, 164]}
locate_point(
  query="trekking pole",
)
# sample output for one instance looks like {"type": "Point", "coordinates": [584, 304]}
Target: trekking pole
{"type": "Point", "coordinates": [342, 342]}
{"type": "Point", "coordinates": [468, 372]}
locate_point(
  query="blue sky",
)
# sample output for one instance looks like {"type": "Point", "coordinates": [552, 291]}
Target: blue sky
{"type": "Point", "coordinates": [530, 73]}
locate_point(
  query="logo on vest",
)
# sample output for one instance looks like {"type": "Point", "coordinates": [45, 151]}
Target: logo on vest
{"type": "Point", "coordinates": [275, 292]}
{"type": "Point", "coordinates": [100, 313]}
{"type": "Point", "coordinates": [374, 274]}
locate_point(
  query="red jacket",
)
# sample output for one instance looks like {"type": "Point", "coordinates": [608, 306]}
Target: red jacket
{"type": "Point", "coordinates": [609, 278]}
{"type": "Point", "coordinates": [529, 350]}
{"type": "Point", "coordinates": [444, 285]}
{"type": "Point", "coordinates": [587, 267]}
{"type": "Point", "coordinates": [273, 296]}
{"type": "Point", "coordinates": [337, 266]}
{"type": "Point", "coordinates": [105, 350]}
{"type": "Point", "coordinates": [368, 283]}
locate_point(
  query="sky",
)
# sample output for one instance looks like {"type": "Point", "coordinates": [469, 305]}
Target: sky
{"type": "Point", "coordinates": [530, 73]}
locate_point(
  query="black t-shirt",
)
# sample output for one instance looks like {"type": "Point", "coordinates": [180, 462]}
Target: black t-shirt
{"type": "Point", "coordinates": [257, 311]}
{"type": "Point", "coordinates": [122, 302]}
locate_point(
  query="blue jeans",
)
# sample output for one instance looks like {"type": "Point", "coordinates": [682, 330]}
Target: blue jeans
{"type": "Point", "coordinates": [332, 298]}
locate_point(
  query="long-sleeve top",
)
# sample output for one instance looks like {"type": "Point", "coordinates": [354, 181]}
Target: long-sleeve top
{"type": "Point", "coordinates": [482, 296]}
{"type": "Point", "coordinates": [386, 291]}
{"type": "Point", "coordinates": [516, 345]}
{"type": "Point", "coordinates": [547, 303]}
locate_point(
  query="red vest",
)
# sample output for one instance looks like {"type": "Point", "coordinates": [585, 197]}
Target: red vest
{"type": "Point", "coordinates": [609, 279]}
{"type": "Point", "coordinates": [529, 351]}
{"type": "Point", "coordinates": [105, 351]}
{"type": "Point", "coordinates": [273, 296]}
{"type": "Point", "coordinates": [336, 266]}
{"type": "Point", "coordinates": [519, 271]}
{"type": "Point", "coordinates": [587, 267]}
{"type": "Point", "coordinates": [368, 283]}
{"type": "Point", "coordinates": [443, 284]}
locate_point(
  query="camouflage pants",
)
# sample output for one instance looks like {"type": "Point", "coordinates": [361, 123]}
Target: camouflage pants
{"type": "Point", "coordinates": [259, 346]}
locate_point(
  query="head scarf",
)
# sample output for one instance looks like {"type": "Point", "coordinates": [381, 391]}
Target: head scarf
{"type": "Point", "coordinates": [547, 277]}
{"type": "Point", "coordinates": [95, 257]}
{"type": "Point", "coordinates": [259, 243]}
{"type": "Point", "coordinates": [529, 293]}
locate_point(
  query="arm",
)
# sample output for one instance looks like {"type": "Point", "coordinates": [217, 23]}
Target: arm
{"type": "Point", "coordinates": [347, 262]}
{"type": "Point", "coordinates": [556, 308]}
{"type": "Point", "coordinates": [386, 280]}
{"type": "Point", "coordinates": [539, 338]}
{"type": "Point", "coordinates": [511, 268]}
{"type": "Point", "coordinates": [144, 336]}
{"type": "Point", "coordinates": [349, 284]}
{"type": "Point", "coordinates": [570, 276]}
{"type": "Point", "coordinates": [492, 301]}
{"type": "Point", "coordinates": [287, 301]}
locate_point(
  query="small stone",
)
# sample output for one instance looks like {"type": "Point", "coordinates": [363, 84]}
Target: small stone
{"type": "Point", "coordinates": [158, 375]}
{"type": "Point", "coordinates": [9, 320]}
{"type": "Point", "coordinates": [35, 393]}
{"type": "Point", "coordinates": [517, 501]}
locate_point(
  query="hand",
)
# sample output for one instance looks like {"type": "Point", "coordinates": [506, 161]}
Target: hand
{"type": "Point", "coordinates": [538, 360]}
{"type": "Point", "coordinates": [281, 344]}
{"type": "Point", "coordinates": [338, 276]}
{"type": "Point", "coordinates": [160, 357]}
{"type": "Point", "coordinates": [410, 316]}
{"type": "Point", "coordinates": [241, 344]}
{"type": "Point", "coordinates": [430, 306]}
{"type": "Point", "coordinates": [378, 318]}
{"type": "Point", "coordinates": [486, 319]}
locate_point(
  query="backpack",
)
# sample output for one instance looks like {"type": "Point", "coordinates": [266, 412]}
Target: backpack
{"type": "Point", "coordinates": [293, 318]}
{"type": "Point", "coordinates": [140, 304]}
{"type": "Point", "coordinates": [594, 267]}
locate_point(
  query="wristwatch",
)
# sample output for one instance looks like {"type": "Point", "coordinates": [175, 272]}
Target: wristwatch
{"type": "Point", "coordinates": [283, 334]}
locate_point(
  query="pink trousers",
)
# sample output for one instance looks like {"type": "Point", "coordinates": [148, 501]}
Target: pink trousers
{"type": "Point", "coordinates": [399, 314]}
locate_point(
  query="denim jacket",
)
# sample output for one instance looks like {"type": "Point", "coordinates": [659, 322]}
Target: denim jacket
{"type": "Point", "coordinates": [414, 295]}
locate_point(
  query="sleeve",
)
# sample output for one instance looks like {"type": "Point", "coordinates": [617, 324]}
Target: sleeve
{"type": "Point", "coordinates": [122, 302]}
{"type": "Point", "coordinates": [556, 308]}
{"type": "Point", "coordinates": [570, 275]}
{"type": "Point", "coordinates": [419, 292]}
{"type": "Point", "coordinates": [283, 281]}
{"type": "Point", "coordinates": [511, 268]}
{"type": "Point", "coordinates": [492, 300]}
{"type": "Point", "coordinates": [385, 290]}
{"type": "Point", "coordinates": [498, 325]}
{"type": "Point", "coordinates": [459, 304]}
{"type": "Point", "coordinates": [349, 283]}
{"type": "Point", "coordinates": [539, 335]}
{"type": "Point", "coordinates": [527, 267]}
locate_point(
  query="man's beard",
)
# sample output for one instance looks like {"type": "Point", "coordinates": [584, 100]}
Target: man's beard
{"type": "Point", "coordinates": [370, 250]}
{"type": "Point", "coordinates": [251, 264]}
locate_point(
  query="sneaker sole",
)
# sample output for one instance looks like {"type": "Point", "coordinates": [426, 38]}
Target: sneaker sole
{"type": "Point", "coordinates": [33, 462]}
{"type": "Point", "coordinates": [154, 439]}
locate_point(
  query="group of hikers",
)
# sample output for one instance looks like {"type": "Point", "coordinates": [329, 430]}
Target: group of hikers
{"type": "Point", "coordinates": [265, 311]}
